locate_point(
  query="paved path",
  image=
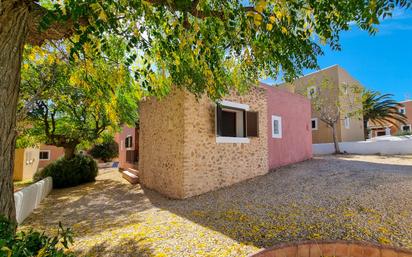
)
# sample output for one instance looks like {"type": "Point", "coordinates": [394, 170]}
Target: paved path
{"type": "Point", "coordinates": [347, 197]}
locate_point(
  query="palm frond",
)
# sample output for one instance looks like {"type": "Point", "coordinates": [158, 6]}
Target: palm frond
{"type": "Point", "coordinates": [381, 108]}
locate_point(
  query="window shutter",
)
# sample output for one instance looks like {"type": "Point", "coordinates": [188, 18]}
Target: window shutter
{"type": "Point", "coordinates": [252, 124]}
{"type": "Point", "coordinates": [218, 120]}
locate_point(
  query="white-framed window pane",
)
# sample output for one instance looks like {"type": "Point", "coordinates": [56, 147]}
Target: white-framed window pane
{"type": "Point", "coordinates": [406, 128]}
{"type": "Point", "coordinates": [311, 92]}
{"type": "Point", "coordinates": [347, 122]}
{"type": "Point", "coordinates": [128, 142]}
{"type": "Point", "coordinates": [276, 126]}
{"type": "Point", "coordinates": [314, 124]}
{"type": "Point", "coordinates": [44, 155]}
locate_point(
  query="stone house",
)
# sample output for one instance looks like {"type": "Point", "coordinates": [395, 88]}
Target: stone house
{"type": "Point", "coordinates": [349, 128]}
{"type": "Point", "coordinates": [190, 146]}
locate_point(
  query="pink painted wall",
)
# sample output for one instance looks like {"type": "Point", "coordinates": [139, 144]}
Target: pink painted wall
{"type": "Point", "coordinates": [120, 139]}
{"type": "Point", "coordinates": [296, 142]}
{"type": "Point", "coordinates": [55, 153]}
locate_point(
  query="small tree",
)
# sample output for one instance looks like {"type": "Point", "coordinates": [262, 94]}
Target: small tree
{"type": "Point", "coordinates": [335, 103]}
{"type": "Point", "coordinates": [106, 150]}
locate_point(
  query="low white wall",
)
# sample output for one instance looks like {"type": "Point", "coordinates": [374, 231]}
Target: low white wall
{"type": "Point", "coordinates": [29, 198]}
{"type": "Point", "coordinates": [367, 147]}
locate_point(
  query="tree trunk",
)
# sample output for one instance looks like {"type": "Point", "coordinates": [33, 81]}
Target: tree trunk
{"type": "Point", "coordinates": [13, 31]}
{"type": "Point", "coordinates": [69, 151]}
{"type": "Point", "coordinates": [365, 129]}
{"type": "Point", "coordinates": [335, 139]}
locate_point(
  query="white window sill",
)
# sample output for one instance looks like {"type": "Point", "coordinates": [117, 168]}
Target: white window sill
{"type": "Point", "coordinates": [235, 140]}
{"type": "Point", "coordinates": [235, 105]}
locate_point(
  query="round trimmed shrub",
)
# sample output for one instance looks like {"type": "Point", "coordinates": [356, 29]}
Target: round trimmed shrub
{"type": "Point", "coordinates": [105, 151]}
{"type": "Point", "coordinates": [67, 173]}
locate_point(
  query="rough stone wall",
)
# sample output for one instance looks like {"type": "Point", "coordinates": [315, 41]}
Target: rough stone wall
{"type": "Point", "coordinates": [209, 165]}
{"type": "Point", "coordinates": [161, 144]}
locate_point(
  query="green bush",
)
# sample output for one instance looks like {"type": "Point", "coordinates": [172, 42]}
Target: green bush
{"type": "Point", "coordinates": [105, 151]}
{"type": "Point", "coordinates": [404, 133]}
{"type": "Point", "coordinates": [33, 243]}
{"type": "Point", "coordinates": [67, 173]}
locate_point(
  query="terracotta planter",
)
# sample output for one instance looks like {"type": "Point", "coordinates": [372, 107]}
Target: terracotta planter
{"type": "Point", "coordinates": [332, 248]}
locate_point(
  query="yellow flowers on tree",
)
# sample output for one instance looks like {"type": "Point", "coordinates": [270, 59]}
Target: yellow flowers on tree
{"type": "Point", "coordinates": [212, 61]}
{"type": "Point", "coordinates": [68, 103]}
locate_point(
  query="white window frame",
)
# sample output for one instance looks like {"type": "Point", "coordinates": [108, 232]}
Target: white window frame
{"type": "Point", "coordinates": [404, 110]}
{"type": "Point", "coordinates": [229, 104]}
{"type": "Point", "coordinates": [125, 139]}
{"type": "Point", "coordinates": [232, 140]}
{"type": "Point", "coordinates": [315, 91]}
{"type": "Point", "coordinates": [316, 123]}
{"type": "Point", "coordinates": [346, 122]}
{"type": "Point", "coordinates": [279, 119]}
{"type": "Point", "coordinates": [48, 151]}
{"type": "Point", "coordinates": [345, 87]}
{"type": "Point", "coordinates": [407, 125]}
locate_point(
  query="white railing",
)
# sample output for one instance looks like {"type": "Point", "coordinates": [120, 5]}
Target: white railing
{"type": "Point", "coordinates": [29, 198]}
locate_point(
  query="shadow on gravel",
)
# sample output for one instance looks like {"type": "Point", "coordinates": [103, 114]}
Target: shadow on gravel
{"type": "Point", "coordinates": [123, 249]}
{"type": "Point", "coordinates": [324, 198]}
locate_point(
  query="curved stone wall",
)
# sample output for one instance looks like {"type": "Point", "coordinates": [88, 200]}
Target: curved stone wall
{"type": "Point", "coordinates": [332, 248]}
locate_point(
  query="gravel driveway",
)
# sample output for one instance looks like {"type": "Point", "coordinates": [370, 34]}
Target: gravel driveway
{"type": "Point", "coordinates": [332, 197]}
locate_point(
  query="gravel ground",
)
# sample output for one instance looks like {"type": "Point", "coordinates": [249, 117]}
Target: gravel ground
{"type": "Point", "coordinates": [365, 198]}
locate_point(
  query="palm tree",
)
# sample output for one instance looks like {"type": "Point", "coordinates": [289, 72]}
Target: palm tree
{"type": "Point", "coordinates": [380, 109]}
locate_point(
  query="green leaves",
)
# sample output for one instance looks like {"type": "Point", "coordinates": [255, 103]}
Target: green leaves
{"type": "Point", "coordinates": [33, 243]}
{"type": "Point", "coordinates": [381, 109]}
{"type": "Point", "coordinates": [201, 45]}
{"type": "Point", "coordinates": [69, 102]}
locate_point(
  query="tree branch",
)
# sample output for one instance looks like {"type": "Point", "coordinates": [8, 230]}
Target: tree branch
{"type": "Point", "coordinates": [57, 30]}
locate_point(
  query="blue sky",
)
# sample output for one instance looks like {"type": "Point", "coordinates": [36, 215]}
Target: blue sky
{"type": "Point", "coordinates": [382, 62]}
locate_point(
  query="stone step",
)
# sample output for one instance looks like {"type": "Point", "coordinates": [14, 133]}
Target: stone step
{"type": "Point", "coordinates": [133, 171]}
{"type": "Point", "coordinates": [132, 178]}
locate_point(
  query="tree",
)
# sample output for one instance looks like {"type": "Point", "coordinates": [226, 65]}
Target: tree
{"type": "Point", "coordinates": [203, 46]}
{"type": "Point", "coordinates": [380, 109]}
{"type": "Point", "coordinates": [105, 150]}
{"type": "Point", "coordinates": [68, 103]}
{"type": "Point", "coordinates": [335, 103]}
